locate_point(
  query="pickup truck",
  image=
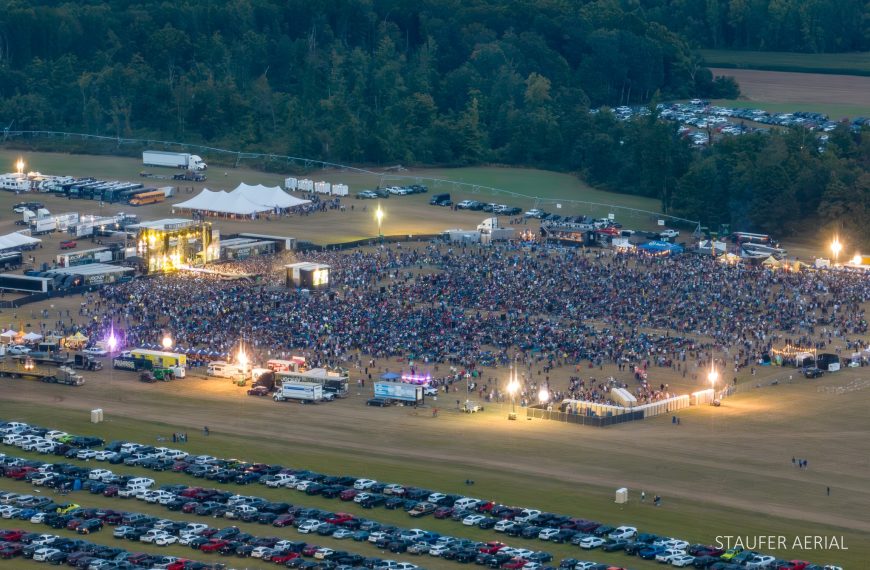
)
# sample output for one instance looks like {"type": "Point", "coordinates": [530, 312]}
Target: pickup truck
{"type": "Point", "coordinates": [669, 233]}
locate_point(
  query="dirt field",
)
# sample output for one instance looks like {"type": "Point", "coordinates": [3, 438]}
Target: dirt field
{"type": "Point", "coordinates": [808, 88]}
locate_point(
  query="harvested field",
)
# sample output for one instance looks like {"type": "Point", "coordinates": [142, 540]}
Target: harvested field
{"type": "Point", "coordinates": [805, 89]}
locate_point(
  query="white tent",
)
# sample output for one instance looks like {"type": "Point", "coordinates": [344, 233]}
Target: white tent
{"type": "Point", "coordinates": [16, 239]}
{"type": "Point", "coordinates": [32, 336]}
{"type": "Point", "coordinates": [273, 196]}
{"type": "Point", "coordinates": [9, 334]}
{"type": "Point", "coordinates": [244, 200]}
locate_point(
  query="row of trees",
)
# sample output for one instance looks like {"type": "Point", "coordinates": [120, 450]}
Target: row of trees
{"type": "Point", "coordinates": [813, 26]}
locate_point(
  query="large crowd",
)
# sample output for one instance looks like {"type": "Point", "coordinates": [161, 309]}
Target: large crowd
{"type": "Point", "coordinates": [467, 309]}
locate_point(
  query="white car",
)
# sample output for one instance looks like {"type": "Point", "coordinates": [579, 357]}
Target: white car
{"type": "Point", "coordinates": [668, 555]}
{"type": "Point", "coordinates": [42, 554]}
{"type": "Point", "coordinates": [438, 549]}
{"type": "Point", "coordinates": [86, 454]}
{"type": "Point", "coordinates": [43, 540]}
{"type": "Point", "coordinates": [46, 447]}
{"type": "Point", "coordinates": [104, 455]}
{"type": "Point", "coordinates": [54, 434]}
{"type": "Point", "coordinates": [473, 520]}
{"type": "Point", "coordinates": [435, 497]}
{"type": "Point", "coordinates": [759, 561]}
{"type": "Point", "coordinates": [322, 553]}
{"type": "Point", "coordinates": [150, 536]}
{"type": "Point", "coordinates": [342, 533]}
{"type": "Point", "coordinates": [120, 531]}
{"type": "Point", "coordinates": [591, 542]}
{"type": "Point", "coordinates": [262, 552]}
{"type": "Point", "coordinates": [361, 497]}
{"type": "Point", "coordinates": [534, 213]}
{"type": "Point", "coordinates": [669, 233]}
{"type": "Point", "coordinates": [527, 515]}
{"type": "Point", "coordinates": [280, 480]}
{"type": "Point", "coordinates": [405, 566]}
{"type": "Point", "coordinates": [363, 484]}
{"type": "Point", "coordinates": [394, 489]}
{"type": "Point", "coordinates": [303, 485]}
{"type": "Point", "coordinates": [625, 532]}
{"type": "Point", "coordinates": [309, 526]}
{"type": "Point", "coordinates": [18, 350]}
{"type": "Point", "coordinates": [503, 525]}
{"type": "Point", "coordinates": [95, 351]}
{"type": "Point", "coordinates": [548, 533]}
{"type": "Point", "coordinates": [682, 560]}
{"type": "Point", "coordinates": [100, 474]}
{"type": "Point", "coordinates": [38, 518]}
{"type": "Point", "coordinates": [165, 540]}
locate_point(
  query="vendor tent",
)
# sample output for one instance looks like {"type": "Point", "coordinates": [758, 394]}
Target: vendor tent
{"type": "Point", "coordinates": [15, 239]}
{"type": "Point", "coordinates": [9, 335]}
{"type": "Point", "coordinates": [32, 337]}
{"type": "Point", "coordinates": [771, 262]}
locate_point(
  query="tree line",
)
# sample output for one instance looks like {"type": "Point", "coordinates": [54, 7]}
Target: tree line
{"type": "Point", "coordinates": [805, 26]}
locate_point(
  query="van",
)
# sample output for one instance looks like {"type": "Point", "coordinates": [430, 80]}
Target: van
{"type": "Point", "coordinates": [441, 200]}
{"type": "Point", "coordinates": [222, 370]}
{"type": "Point", "coordinates": [466, 503]}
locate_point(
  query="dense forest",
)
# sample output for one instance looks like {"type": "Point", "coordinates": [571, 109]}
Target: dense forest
{"type": "Point", "coordinates": [448, 82]}
{"type": "Point", "coordinates": [806, 26]}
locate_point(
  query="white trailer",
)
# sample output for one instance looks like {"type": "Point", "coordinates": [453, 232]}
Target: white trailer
{"type": "Point", "coordinates": [43, 226]}
{"type": "Point", "coordinates": [340, 190]}
{"type": "Point", "coordinates": [302, 391]}
{"type": "Point", "coordinates": [291, 184]}
{"type": "Point", "coordinates": [305, 185]}
{"type": "Point", "coordinates": [173, 160]}
{"type": "Point", "coordinates": [322, 187]}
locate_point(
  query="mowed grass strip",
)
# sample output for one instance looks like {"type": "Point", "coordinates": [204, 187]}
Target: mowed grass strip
{"type": "Point", "coordinates": [833, 63]}
{"type": "Point", "coordinates": [692, 520]}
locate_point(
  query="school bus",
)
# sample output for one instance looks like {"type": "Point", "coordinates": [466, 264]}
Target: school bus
{"type": "Point", "coordinates": [147, 198]}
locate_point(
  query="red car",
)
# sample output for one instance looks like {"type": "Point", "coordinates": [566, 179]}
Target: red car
{"type": "Point", "coordinates": [74, 523]}
{"type": "Point", "coordinates": [443, 512]}
{"type": "Point", "coordinates": [794, 565]}
{"type": "Point", "coordinates": [214, 545]}
{"type": "Point", "coordinates": [284, 557]}
{"type": "Point", "coordinates": [514, 564]}
{"type": "Point", "coordinates": [13, 535]}
{"type": "Point", "coordinates": [70, 244]}
{"type": "Point", "coordinates": [11, 550]}
{"type": "Point", "coordinates": [189, 507]}
{"type": "Point", "coordinates": [309, 549]}
{"type": "Point", "coordinates": [339, 518]}
{"type": "Point", "coordinates": [348, 494]}
{"type": "Point", "coordinates": [19, 473]}
{"type": "Point", "coordinates": [485, 507]}
{"type": "Point", "coordinates": [492, 547]}
{"type": "Point", "coordinates": [177, 565]}
{"type": "Point", "coordinates": [284, 520]}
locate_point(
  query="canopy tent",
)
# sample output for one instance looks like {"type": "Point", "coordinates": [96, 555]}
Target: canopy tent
{"type": "Point", "coordinates": [661, 247]}
{"type": "Point", "coordinates": [245, 200]}
{"type": "Point", "coordinates": [15, 239]}
{"type": "Point", "coordinates": [771, 262]}
{"type": "Point", "coordinates": [32, 337]}
{"type": "Point", "coordinates": [272, 197]}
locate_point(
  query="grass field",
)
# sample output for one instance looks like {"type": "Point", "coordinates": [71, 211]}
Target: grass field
{"type": "Point", "coordinates": [834, 111]}
{"type": "Point", "coordinates": [833, 63]}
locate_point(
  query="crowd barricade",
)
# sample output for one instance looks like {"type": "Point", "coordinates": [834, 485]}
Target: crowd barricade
{"type": "Point", "coordinates": [542, 412]}
{"type": "Point", "coordinates": [603, 415]}
{"type": "Point", "coordinates": [702, 397]}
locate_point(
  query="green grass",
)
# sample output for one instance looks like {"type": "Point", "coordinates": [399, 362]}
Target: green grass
{"type": "Point", "coordinates": [692, 520]}
{"type": "Point", "coordinates": [832, 63]}
{"type": "Point", "coordinates": [834, 111]}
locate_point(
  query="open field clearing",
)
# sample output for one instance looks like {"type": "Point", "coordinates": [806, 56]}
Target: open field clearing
{"type": "Point", "coordinates": [722, 471]}
{"type": "Point", "coordinates": [802, 91]}
{"type": "Point", "coordinates": [828, 63]}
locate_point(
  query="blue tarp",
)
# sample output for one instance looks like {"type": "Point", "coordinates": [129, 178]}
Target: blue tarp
{"type": "Point", "coordinates": [661, 247]}
{"type": "Point", "coordinates": [390, 376]}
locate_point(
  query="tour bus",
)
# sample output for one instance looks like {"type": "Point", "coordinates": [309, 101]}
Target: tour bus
{"type": "Point", "coordinates": [333, 382]}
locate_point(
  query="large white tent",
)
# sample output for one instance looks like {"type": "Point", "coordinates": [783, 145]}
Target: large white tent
{"type": "Point", "coordinates": [13, 240]}
{"type": "Point", "coordinates": [245, 200]}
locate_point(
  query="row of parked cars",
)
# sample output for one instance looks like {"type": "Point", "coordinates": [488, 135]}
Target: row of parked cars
{"type": "Point", "coordinates": [368, 493]}
{"type": "Point", "coordinates": [388, 191]}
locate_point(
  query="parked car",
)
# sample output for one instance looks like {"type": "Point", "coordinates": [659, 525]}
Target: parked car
{"type": "Point", "coordinates": [68, 244]}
